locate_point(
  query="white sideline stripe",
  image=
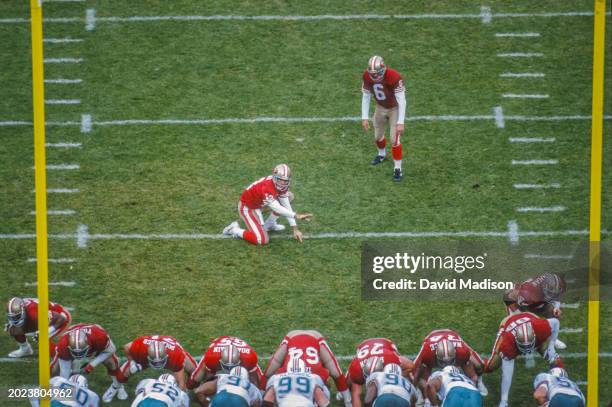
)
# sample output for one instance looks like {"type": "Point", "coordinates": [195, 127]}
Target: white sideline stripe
{"type": "Point", "coordinates": [500, 123]}
{"type": "Point", "coordinates": [571, 330]}
{"type": "Point", "coordinates": [85, 123]}
{"type": "Point", "coordinates": [570, 280]}
{"type": "Point", "coordinates": [57, 261]}
{"type": "Point", "coordinates": [525, 96]}
{"type": "Point", "coordinates": [298, 120]}
{"type": "Point", "coordinates": [54, 283]}
{"type": "Point", "coordinates": [63, 81]}
{"type": "Point", "coordinates": [485, 14]}
{"type": "Point", "coordinates": [581, 383]}
{"type": "Point", "coordinates": [63, 145]}
{"type": "Point", "coordinates": [67, 212]}
{"type": "Point", "coordinates": [62, 166]}
{"type": "Point", "coordinates": [532, 139]}
{"type": "Point", "coordinates": [60, 191]}
{"type": "Point", "coordinates": [90, 19]}
{"type": "Point", "coordinates": [576, 355]}
{"type": "Point", "coordinates": [63, 60]}
{"type": "Point", "coordinates": [535, 162]}
{"type": "Point", "coordinates": [520, 54]}
{"type": "Point", "coordinates": [572, 306]}
{"type": "Point", "coordinates": [63, 102]}
{"type": "Point", "coordinates": [541, 209]}
{"type": "Point", "coordinates": [513, 232]}
{"type": "Point", "coordinates": [69, 309]}
{"type": "Point", "coordinates": [61, 40]}
{"type": "Point", "coordinates": [305, 18]}
{"type": "Point", "coordinates": [537, 186]}
{"type": "Point", "coordinates": [522, 75]}
{"type": "Point", "coordinates": [548, 256]}
{"type": "Point", "coordinates": [529, 34]}
{"type": "Point", "coordinates": [82, 236]}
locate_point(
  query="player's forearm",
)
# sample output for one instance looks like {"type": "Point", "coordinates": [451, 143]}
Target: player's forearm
{"type": "Point", "coordinates": [365, 105]}
{"type": "Point", "coordinates": [102, 356]}
{"type": "Point", "coordinates": [65, 368]}
{"type": "Point", "coordinates": [401, 106]}
{"type": "Point", "coordinates": [281, 210]}
{"type": "Point", "coordinates": [287, 204]}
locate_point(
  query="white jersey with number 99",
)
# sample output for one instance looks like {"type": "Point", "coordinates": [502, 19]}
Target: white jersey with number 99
{"type": "Point", "coordinates": [296, 389]}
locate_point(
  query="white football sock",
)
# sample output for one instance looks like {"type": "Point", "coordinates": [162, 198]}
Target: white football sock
{"type": "Point", "coordinates": [398, 164]}
{"type": "Point", "coordinates": [382, 152]}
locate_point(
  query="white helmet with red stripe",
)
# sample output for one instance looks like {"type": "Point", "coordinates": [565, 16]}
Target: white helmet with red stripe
{"type": "Point", "coordinates": [79, 380]}
{"type": "Point", "coordinates": [78, 346]}
{"type": "Point", "coordinates": [525, 338]}
{"type": "Point", "coordinates": [16, 311]}
{"type": "Point", "coordinates": [376, 68]}
{"type": "Point", "coordinates": [230, 357]}
{"type": "Point", "coordinates": [393, 368]}
{"type": "Point", "coordinates": [156, 354]}
{"type": "Point", "coordinates": [445, 353]}
{"type": "Point", "coordinates": [240, 372]}
{"type": "Point", "coordinates": [281, 176]}
{"type": "Point", "coordinates": [371, 365]}
{"type": "Point", "coordinates": [296, 365]}
{"type": "Point", "coordinates": [167, 378]}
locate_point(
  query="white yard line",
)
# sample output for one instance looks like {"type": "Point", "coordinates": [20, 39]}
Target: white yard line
{"type": "Point", "coordinates": [65, 212]}
{"type": "Point", "coordinates": [62, 166]}
{"type": "Point", "coordinates": [513, 232]}
{"type": "Point", "coordinates": [315, 119]}
{"type": "Point", "coordinates": [485, 14]}
{"type": "Point", "coordinates": [56, 261]}
{"type": "Point", "coordinates": [571, 306]}
{"type": "Point", "coordinates": [571, 330]}
{"type": "Point", "coordinates": [500, 121]}
{"type": "Point", "coordinates": [61, 40]}
{"type": "Point", "coordinates": [522, 75]}
{"type": "Point", "coordinates": [535, 162]}
{"type": "Point", "coordinates": [520, 35]}
{"type": "Point", "coordinates": [60, 191]}
{"type": "Point", "coordinates": [85, 123]}
{"type": "Point", "coordinates": [63, 102]}
{"type": "Point", "coordinates": [54, 283]}
{"type": "Point", "coordinates": [537, 186]}
{"type": "Point", "coordinates": [525, 96]}
{"type": "Point", "coordinates": [82, 236]}
{"type": "Point", "coordinates": [64, 1]}
{"type": "Point", "coordinates": [548, 256]}
{"type": "Point", "coordinates": [427, 16]}
{"type": "Point", "coordinates": [532, 139]}
{"type": "Point", "coordinates": [520, 54]}
{"type": "Point", "coordinates": [90, 19]}
{"type": "Point", "coordinates": [63, 60]}
{"type": "Point", "coordinates": [63, 145]}
{"type": "Point", "coordinates": [541, 209]}
{"type": "Point", "coordinates": [64, 81]}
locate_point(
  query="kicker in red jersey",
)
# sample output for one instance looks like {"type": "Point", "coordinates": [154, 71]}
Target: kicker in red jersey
{"type": "Point", "coordinates": [175, 352]}
{"type": "Point", "coordinates": [384, 91]}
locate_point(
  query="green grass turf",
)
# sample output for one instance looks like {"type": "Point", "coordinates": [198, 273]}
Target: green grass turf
{"type": "Point", "coordinates": [187, 179]}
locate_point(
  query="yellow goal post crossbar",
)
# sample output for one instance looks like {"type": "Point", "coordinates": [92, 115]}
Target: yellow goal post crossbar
{"type": "Point", "coordinates": [40, 182]}
{"type": "Point", "coordinates": [595, 202]}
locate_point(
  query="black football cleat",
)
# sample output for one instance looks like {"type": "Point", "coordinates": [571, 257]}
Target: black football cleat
{"type": "Point", "coordinates": [378, 159]}
{"type": "Point", "coordinates": [397, 175]}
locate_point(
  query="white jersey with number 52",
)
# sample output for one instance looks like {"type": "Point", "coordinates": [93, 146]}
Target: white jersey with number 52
{"type": "Point", "coordinates": [149, 389]}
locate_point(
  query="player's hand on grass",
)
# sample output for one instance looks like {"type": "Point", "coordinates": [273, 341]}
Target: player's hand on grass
{"type": "Point", "coordinates": [365, 123]}
{"type": "Point", "coordinates": [304, 216]}
{"type": "Point", "coordinates": [88, 368]}
{"type": "Point", "coordinates": [297, 234]}
{"type": "Point", "coordinates": [557, 312]}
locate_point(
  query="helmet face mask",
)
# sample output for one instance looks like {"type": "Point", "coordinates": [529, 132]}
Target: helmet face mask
{"type": "Point", "coordinates": [445, 353]}
{"type": "Point", "coordinates": [371, 365]}
{"type": "Point", "coordinates": [79, 380]}
{"type": "Point", "coordinates": [77, 344]}
{"type": "Point", "coordinates": [296, 365]}
{"type": "Point", "coordinates": [376, 68]}
{"type": "Point", "coordinates": [525, 338]}
{"type": "Point", "coordinates": [281, 176]}
{"type": "Point", "coordinates": [393, 368]}
{"type": "Point", "coordinates": [558, 372]}
{"type": "Point", "coordinates": [167, 378]}
{"type": "Point", "coordinates": [240, 372]}
{"type": "Point", "coordinates": [156, 354]}
{"type": "Point", "coordinates": [16, 312]}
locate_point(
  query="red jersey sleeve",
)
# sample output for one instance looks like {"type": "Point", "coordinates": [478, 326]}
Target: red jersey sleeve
{"type": "Point", "coordinates": [138, 351]}
{"type": "Point", "coordinates": [541, 329]}
{"type": "Point", "coordinates": [62, 348]}
{"type": "Point", "coordinates": [248, 359]}
{"type": "Point", "coordinates": [355, 374]}
{"type": "Point", "coordinates": [507, 346]}
{"type": "Point", "coordinates": [98, 339]}
{"type": "Point", "coordinates": [176, 359]}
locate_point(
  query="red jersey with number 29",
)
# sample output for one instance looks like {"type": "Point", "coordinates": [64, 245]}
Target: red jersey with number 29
{"type": "Point", "coordinates": [381, 347]}
{"type": "Point", "coordinates": [384, 91]}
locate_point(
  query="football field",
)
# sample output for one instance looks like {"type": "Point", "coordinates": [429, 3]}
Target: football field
{"type": "Point", "coordinates": [160, 113]}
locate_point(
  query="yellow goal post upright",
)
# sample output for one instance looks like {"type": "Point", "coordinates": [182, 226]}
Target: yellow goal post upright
{"type": "Point", "coordinates": [595, 202]}
{"type": "Point", "coordinates": [42, 270]}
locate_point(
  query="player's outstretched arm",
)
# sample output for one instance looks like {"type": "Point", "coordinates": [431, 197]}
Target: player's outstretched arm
{"type": "Point", "coordinates": [506, 382]}
{"type": "Point", "coordinates": [204, 391]}
{"type": "Point", "coordinates": [179, 375]}
{"type": "Point", "coordinates": [320, 398]}
{"type": "Point", "coordinates": [269, 398]}
{"type": "Point", "coordinates": [431, 392]}
{"type": "Point", "coordinates": [540, 395]}
{"type": "Point", "coordinates": [370, 395]}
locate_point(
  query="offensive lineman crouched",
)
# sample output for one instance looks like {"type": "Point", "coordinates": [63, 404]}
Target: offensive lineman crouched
{"type": "Point", "coordinates": [271, 192]}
